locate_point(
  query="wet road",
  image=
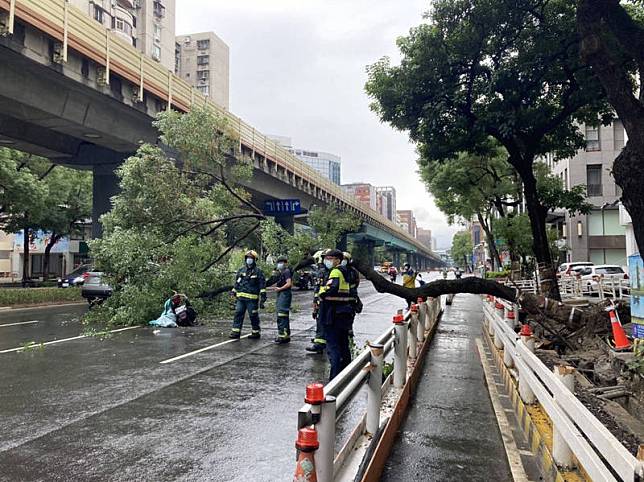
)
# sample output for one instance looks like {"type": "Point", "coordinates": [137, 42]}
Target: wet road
{"type": "Point", "coordinates": [108, 409]}
{"type": "Point", "coordinates": [450, 432]}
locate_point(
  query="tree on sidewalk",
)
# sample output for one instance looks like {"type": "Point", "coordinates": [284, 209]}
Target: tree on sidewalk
{"type": "Point", "coordinates": [461, 250]}
{"type": "Point", "coordinates": [506, 70]}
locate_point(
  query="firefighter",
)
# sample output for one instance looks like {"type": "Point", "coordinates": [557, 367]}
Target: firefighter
{"type": "Point", "coordinates": [318, 344]}
{"type": "Point", "coordinates": [284, 298]}
{"type": "Point", "coordinates": [353, 278]}
{"type": "Point", "coordinates": [336, 312]}
{"type": "Point", "coordinates": [250, 294]}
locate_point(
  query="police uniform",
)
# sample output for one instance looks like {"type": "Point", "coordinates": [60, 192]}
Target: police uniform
{"type": "Point", "coordinates": [250, 289]}
{"type": "Point", "coordinates": [336, 315]}
{"type": "Point", "coordinates": [319, 341]}
{"type": "Point", "coordinates": [283, 306]}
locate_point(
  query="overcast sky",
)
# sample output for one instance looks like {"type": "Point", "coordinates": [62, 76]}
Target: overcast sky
{"type": "Point", "coordinates": [298, 70]}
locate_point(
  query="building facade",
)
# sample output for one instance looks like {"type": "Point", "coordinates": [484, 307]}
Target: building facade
{"type": "Point", "coordinates": [362, 192]}
{"type": "Point", "coordinates": [149, 25]}
{"type": "Point", "coordinates": [203, 60]}
{"type": "Point", "coordinates": [598, 237]}
{"type": "Point", "coordinates": [388, 193]}
{"type": "Point", "coordinates": [329, 165]}
{"type": "Point", "coordinates": [407, 221]}
{"type": "Point", "coordinates": [424, 236]}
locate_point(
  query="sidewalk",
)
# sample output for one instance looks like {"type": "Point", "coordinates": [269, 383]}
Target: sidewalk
{"type": "Point", "coordinates": [451, 432]}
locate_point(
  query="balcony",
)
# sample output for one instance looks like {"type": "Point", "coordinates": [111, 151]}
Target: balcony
{"type": "Point", "coordinates": [158, 9]}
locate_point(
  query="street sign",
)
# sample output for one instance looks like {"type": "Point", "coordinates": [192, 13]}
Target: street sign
{"type": "Point", "coordinates": [278, 207]}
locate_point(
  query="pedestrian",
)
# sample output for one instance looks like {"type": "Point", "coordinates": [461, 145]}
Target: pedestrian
{"type": "Point", "coordinates": [284, 299]}
{"type": "Point", "coordinates": [336, 312]}
{"type": "Point", "coordinates": [318, 343]}
{"type": "Point", "coordinates": [250, 294]}
{"type": "Point", "coordinates": [409, 280]}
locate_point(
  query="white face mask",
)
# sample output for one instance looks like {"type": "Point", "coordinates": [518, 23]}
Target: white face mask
{"type": "Point", "coordinates": [328, 263]}
{"type": "Point", "coordinates": [250, 261]}
{"type": "Point", "coordinates": [280, 266]}
{"type": "Point", "coordinates": [344, 262]}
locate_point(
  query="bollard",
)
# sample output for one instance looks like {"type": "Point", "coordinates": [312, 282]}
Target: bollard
{"type": "Point", "coordinates": [498, 342]}
{"type": "Point", "coordinates": [400, 351]}
{"type": "Point", "coordinates": [374, 394]}
{"type": "Point", "coordinates": [525, 392]}
{"type": "Point", "coordinates": [526, 337]}
{"type": "Point", "coordinates": [430, 306]}
{"type": "Point", "coordinates": [500, 309]}
{"type": "Point", "coordinates": [561, 452]}
{"type": "Point", "coordinates": [507, 357]}
{"type": "Point", "coordinates": [413, 330]}
{"type": "Point", "coordinates": [423, 313]}
{"type": "Point", "coordinates": [306, 445]}
{"type": "Point", "coordinates": [326, 435]}
{"type": "Point", "coordinates": [509, 317]}
{"type": "Point", "coordinates": [420, 327]}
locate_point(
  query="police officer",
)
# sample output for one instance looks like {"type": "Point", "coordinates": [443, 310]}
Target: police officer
{"type": "Point", "coordinates": [336, 312]}
{"type": "Point", "coordinates": [353, 278]}
{"type": "Point", "coordinates": [284, 298]}
{"type": "Point", "coordinates": [250, 293]}
{"type": "Point", "coordinates": [409, 280]}
{"type": "Point", "coordinates": [318, 344]}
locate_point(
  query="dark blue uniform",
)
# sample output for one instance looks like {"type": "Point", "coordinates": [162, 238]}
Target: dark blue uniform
{"type": "Point", "coordinates": [250, 289]}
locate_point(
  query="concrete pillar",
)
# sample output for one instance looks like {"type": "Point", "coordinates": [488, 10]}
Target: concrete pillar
{"type": "Point", "coordinates": [287, 222]}
{"type": "Point", "coordinates": [105, 185]}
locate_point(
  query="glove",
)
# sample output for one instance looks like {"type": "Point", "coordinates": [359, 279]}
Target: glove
{"type": "Point", "coordinates": [262, 300]}
{"type": "Point", "coordinates": [315, 315]}
{"type": "Point", "coordinates": [261, 305]}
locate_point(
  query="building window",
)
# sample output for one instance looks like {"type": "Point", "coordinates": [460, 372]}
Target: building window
{"type": "Point", "coordinates": [156, 52]}
{"type": "Point", "coordinates": [204, 89]}
{"type": "Point", "coordinates": [203, 59]}
{"type": "Point", "coordinates": [594, 180]}
{"type": "Point", "coordinates": [203, 74]}
{"type": "Point", "coordinates": [99, 14]}
{"type": "Point", "coordinates": [605, 222]}
{"type": "Point", "coordinates": [122, 26]}
{"type": "Point", "coordinates": [157, 32]}
{"type": "Point", "coordinates": [618, 135]}
{"type": "Point", "coordinates": [203, 44]}
{"type": "Point", "coordinates": [592, 138]}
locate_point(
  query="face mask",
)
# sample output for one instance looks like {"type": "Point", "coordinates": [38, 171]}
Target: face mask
{"type": "Point", "coordinates": [344, 262]}
{"type": "Point", "coordinates": [250, 261]}
{"type": "Point", "coordinates": [328, 263]}
{"type": "Point", "coordinates": [280, 266]}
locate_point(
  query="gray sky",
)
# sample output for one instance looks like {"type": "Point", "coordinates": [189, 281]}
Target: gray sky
{"type": "Point", "coordinates": [298, 70]}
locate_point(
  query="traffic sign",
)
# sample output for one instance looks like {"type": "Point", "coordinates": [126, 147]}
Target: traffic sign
{"type": "Point", "coordinates": [276, 207]}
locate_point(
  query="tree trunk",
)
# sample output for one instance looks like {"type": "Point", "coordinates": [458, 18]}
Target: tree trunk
{"type": "Point", "coordinates": [494, 253]}
{"type": "Point", "coordinates": [540, 243]}
{"type": "Point", "coordinates": [46, 258]}
{"type": "Point", "coordinates": [25, 258]}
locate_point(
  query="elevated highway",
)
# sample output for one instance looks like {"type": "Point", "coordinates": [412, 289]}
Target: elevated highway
{"type": "Point", "coordinates": [72, 91]}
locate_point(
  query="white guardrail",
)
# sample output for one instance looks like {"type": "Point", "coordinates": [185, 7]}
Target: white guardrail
{"type": "Point", "coordinates": [325, 404]}
{"type": "Point", "coordinates": [576, 431]}
{"type": "Point", "coordinates": [575, 287]}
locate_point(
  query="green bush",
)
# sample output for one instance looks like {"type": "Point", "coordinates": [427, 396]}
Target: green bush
{"type": "Point", "coordinates": [38, 296]}
{"type": "Point", "coordinates": [497, 274]}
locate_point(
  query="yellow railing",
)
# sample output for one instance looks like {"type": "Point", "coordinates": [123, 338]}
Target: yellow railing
{"type": "Point", "coordinates": [79, 32]}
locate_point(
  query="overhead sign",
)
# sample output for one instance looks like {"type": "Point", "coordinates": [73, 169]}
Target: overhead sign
{"type": "Point", "coordinates": [276, 207]}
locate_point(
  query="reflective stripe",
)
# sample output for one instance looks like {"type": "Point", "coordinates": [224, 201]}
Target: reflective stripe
{"type": "Point", "coordinates": [254, 311]}
{"type": "Point", "coordinates": [249, 296]}
{"type": "Point", "coordinates": [339, 298]}
{"type": "Point", "coordinates": [262, 291]}
{"type": "Point", "coordinates": [255, 331]}
{"type": "Point", "coordinates": [236, 330]}
{"type": "Point", "coordinates": [319, 341]}
{"type": "Point", "coordinates": [282, 314]}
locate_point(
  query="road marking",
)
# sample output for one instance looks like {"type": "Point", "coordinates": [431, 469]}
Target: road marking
{"type": "Point", "coordinates": [511, 450]}
{"type": "Point", "coordinates": [20, 323]}
{"type": "Point", "coordinates": [170, 360]}
{"type": "Point", "coordinates": [36, 344]}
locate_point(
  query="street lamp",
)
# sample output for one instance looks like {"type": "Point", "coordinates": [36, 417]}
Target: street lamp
{"type": "Point", "coordinates": [580, 229]}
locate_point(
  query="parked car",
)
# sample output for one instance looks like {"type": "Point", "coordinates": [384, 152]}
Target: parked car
{"type": "Point", "coordinates": [566, 269]}
{"type": "Point", "coordinates": [75, 278]}
{"type": "Point", "coordinates": [590, 275]}
{"type": "Point", "coordinates": [94, 290]}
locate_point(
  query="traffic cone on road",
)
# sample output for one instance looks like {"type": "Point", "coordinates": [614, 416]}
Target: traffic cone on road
{"type": "Point", "coordinates": [619, 336]}
{"type": "Point", "coordinates": [306, 445]}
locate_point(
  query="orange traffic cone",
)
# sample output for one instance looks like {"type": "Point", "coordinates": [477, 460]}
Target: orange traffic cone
{"type": "Point", "coordinates": [306, 445]}
{"type": "Point", "coordinates": [619, 336]}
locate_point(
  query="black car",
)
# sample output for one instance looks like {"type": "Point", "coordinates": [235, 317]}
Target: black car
{"type": "Point", "coordinates": [75, 278]}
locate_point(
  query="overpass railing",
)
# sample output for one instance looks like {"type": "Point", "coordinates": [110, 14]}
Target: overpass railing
{"type": "Point", "coordinates": [78, 31]}
{"type": "Point", "coordinates": [325, 404]}
{"type": "Point", "coordinates": [576, 431]}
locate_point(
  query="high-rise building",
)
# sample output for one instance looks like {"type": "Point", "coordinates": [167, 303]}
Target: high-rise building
{"type": "Point", "coordinates": [146, 24]}
{"type": "Point", "coordinates": [598, 237]}
{"type": "Point", "coordinates": [434, 244]}
{"type": "Point", "coordinates": [389, 207]}
{"type": "Point", "coordinates": [203, 60]}
{"type": "Point", "coordinates": [362, 192]}
{"type": "Point", "coordinates": [407, 221]}
{"type": "Point", "coordinates": [329, 165]}
{"type": "Point", "coordinates": [424, 236]}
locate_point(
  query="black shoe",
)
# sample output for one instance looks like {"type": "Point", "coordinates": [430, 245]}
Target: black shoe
{"type": "Point", "coordinates": [315, 348]}
{"type": "Point", "coordinates": [254, 336]}
{"type": "Point", "coordinates": [234, 335]}
{"type": "Point", "coordinates": [281, 340]}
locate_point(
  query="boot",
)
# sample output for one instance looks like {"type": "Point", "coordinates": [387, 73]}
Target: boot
{"type": "Point", "coordinates": [281, 340]}
{"type": "Point", "coordinates": [315, 348]}
{"type": "Point", "coordinates": [255, 335]}
{"type": "Point", "coordinates": [234, 335]}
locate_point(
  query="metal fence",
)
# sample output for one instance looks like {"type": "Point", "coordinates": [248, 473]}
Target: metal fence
{"type": "Point", "coordinates": [322, 411]}
{"type": "Point", "coordinates": [577, 433]}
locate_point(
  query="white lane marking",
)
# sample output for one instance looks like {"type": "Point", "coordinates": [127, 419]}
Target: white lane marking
{"type": "Point", "coordinates": [36, 344]}
{"type": "Point", "coordinates": [170, 360]}
{"type": "Point", "coordinates": [20, 323]}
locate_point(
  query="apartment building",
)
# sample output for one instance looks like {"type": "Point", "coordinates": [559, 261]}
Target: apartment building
{"type": "Point", "coordinates": [407, 221]}
{"type": "Point", "coordinates": [598, 237]}
{"type": "Point", "coordinates": [149, 25]}
{"type": "Point", "coordinates": [203, 60]}
{"type": "Point", "coordinates": [327, 164]}
{"type": "Point", "coordinates": [424, 236]}
{"type": "Point", "coordinates": [362, 192]}
{"type": "Point", "coordinates": [388, 193]}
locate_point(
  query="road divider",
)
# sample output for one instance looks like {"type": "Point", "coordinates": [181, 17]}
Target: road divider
{"type": "Point", "coordinates": [79, 337]}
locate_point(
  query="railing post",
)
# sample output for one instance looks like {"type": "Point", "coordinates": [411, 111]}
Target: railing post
{"type": "Point", "coordinates": [561, 452]}
{"type": "Point", "coordinates": [374, 394]}
{"type": "Point", "coordinates": [525, 392]}
{"type": "Point", "coordinates": [400, 351]}
{"type": "Point", "coordinates": [420, 325]}
{"type": "Point", "coordinates": [413, 329]}
{"type": "Point", "coordinates": [423, 309]}
{"type": "Point", "coordinates": [326, 434]}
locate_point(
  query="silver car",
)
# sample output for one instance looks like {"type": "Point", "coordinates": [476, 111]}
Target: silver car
{"type": "Point", "coordinates": [94, 290]}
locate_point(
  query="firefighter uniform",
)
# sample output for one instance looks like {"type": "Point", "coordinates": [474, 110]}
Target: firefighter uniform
{"type": "Point", "coordinates": [337, 313]}
{"type": "Point", "coordinates": [283, 306]}
{"type": "Point", "coordinates": [319, 342]}
{"type": "Point", "coordinates": [250, 294]}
